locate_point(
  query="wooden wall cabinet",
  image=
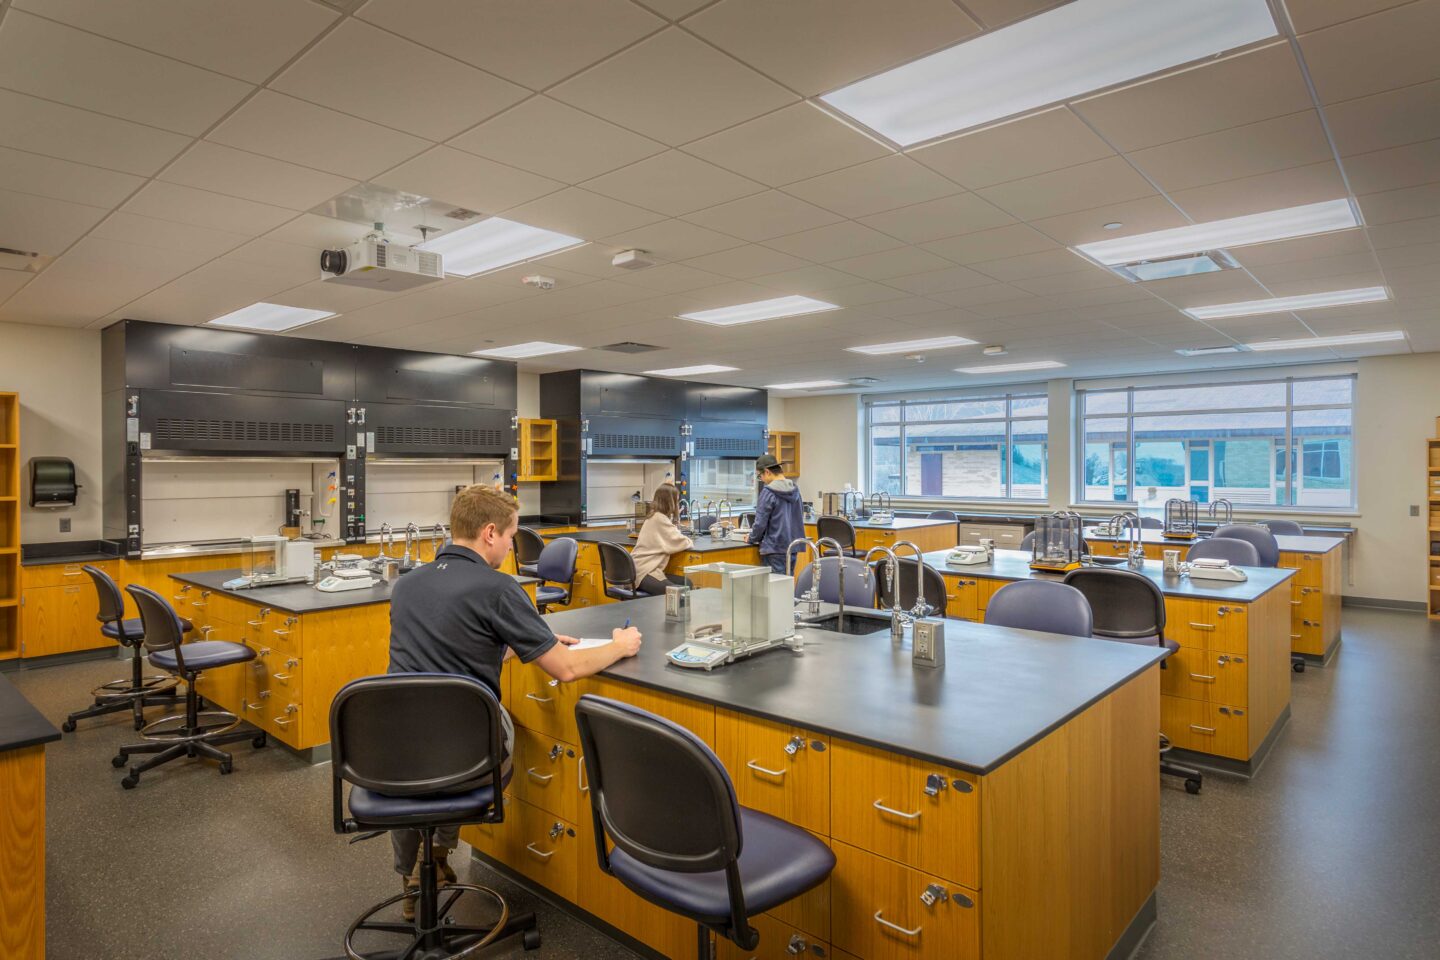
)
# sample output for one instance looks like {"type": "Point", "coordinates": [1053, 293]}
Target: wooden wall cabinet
{"type": "Point", "coordinates": [784, 446]}
{"type": "Point", "coordinates": [1432, 486]}
{"type": "Point", "coordinates": [539, 451]}
{"type": "Point", "coordinates": [9, 525]}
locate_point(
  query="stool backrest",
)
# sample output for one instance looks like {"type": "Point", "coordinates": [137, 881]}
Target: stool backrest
{"type": "Point", "coordinates": [163, 630]}
{"type": "Point", "coordinates": [905, 582]}
{"type": "Point", "coordinates": [1263, 540]}
{"type": "Point", "coordinates": [1042, 605]}
{"type": "Point", "coordinates": [839, 529]}
{"type": "Point", "coordinates": [658, 792]}
{"type": "Point", "coordinates": [616, 564]}
{"type": "Point", "coordinates": [112, 601]}
{"type": "Point", "coordinates": [1285, 528]}
{"type": "Point", "coordinates": [557, 560]}
{"type": "Point", "coordinates": [859, 581]}
{"type": "Point", "coordinates": [942, 515]}
{"type": "Point", "coordinates": [1239, 552]}
{"type": "Point", "coordinates": [1126, 605]}
{"type": "Point", "coordinates": [408, 734]}
{"type": "Point", "coordinates": [528, 545]}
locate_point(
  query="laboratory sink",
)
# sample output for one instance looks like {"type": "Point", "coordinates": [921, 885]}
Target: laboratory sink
{"type": "Point", "coordinates": [858, 622]}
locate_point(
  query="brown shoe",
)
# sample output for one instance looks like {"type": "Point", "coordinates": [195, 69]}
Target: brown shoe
{"type": "Point", "coordinates": [411, 884]}
{"type": "Point", "coordinates": [443, 871]}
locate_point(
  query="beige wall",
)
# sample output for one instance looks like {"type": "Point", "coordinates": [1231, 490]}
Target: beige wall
{"type": "Point", "coordinates": [527, 406]}
{"type": "Point", "coordinates": [56, 371]}
{"type": "Point", "coordinates": [829, 430]}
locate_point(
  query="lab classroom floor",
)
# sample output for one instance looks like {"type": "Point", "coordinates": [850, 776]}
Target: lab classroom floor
{"type": "Point", "coordinates": [1332, 851]}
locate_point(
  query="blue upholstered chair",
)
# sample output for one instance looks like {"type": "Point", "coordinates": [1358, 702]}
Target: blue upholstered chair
{"type": "Point", "coordinates": [528, 547]}
{"type": "Point", "coordinates": [138, 691]}
{"type": "Point", "coordinates": [1263, 540]}
{"type": "Point", "coordinates": [681, 839]}
{"type": "Point", "coordinates": [1285, 528]}
{"type": "Point", "coordinates": [905, 583]}
{"type": "Point", "coordinates": [195, 733]}
{"type": "Point", "coordinates": [840, 530]}
{"type": "Point", "coordinates": [1241, 553]}
{"type": "Point", "coordinates": [617, 570]}
{"type": "Point", "coordinates": [942, 515]}
{"type": "Point", "coordinates": [422, 751]}
{"type": "Point", "coordinates": [1042, 605]}
{"type": "Point", "coordinates": [556, 565]}
{"type": "Point", "coordinates": [859, 581]}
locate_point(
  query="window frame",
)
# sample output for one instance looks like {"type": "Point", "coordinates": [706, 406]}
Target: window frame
{"type": "Point", "coordinates": [1293, 455]}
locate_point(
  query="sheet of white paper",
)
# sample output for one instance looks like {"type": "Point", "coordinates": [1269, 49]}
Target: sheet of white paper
{"type": "Point", "coordinates": [587, 642]}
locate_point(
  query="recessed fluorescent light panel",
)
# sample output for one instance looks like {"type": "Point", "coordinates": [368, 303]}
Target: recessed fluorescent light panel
{"type": "Point", "coordinates": [1309, 301]}
{"type": "Point", "coordinates": [807, 385]}
{"type": "Point", "coordinates": [269, 317]}
{"type": "Point", "coordinates": [1339, 341]}
{"type": "Point", "coordinates": [522, 351]}
{"type": "Point", "coordinates": [1072, 50]}
{"type": "Point", "coordinates": [691, 371]}
{"type": "Point", "coordinates": [1286, 224]}
{"type": "Point", "coordinates": [494, 243]}
{"type": "Point", "coordinates": [1212, 261]}
{"type": "Point", "coordinates": [910, 346]}
{"type": "Point", "coordinates": [1207, 351]}
{"type": "Point", "coordinates": [1012, 367]}
{"type": "Point", "coordinates": [760, 310]}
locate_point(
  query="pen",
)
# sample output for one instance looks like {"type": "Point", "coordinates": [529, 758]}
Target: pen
{"type": "Point", "coordinates": [627, 624]}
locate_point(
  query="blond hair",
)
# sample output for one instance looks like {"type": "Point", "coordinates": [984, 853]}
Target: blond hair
{"type": "Point", "coordinates": [478, 506]}
{"type": "Point", "coordinates": [666, 501]}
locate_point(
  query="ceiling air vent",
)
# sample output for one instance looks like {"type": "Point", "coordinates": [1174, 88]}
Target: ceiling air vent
{"type": "Point", "coordinates": [630, 346]}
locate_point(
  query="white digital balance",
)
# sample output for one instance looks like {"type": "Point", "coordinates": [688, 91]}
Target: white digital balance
{"type": "Point", "coordinates": [1211, 568]}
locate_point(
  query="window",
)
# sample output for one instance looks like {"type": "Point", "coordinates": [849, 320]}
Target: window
{"type": "Point", "coordinates": [715, 479]}
{"type": "Point", "coordinates": [1272, 443]}
{"type": "Point", "coordinates": [991, 447]}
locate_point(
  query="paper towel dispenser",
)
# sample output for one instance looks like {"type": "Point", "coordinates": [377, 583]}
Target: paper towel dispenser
{"type": "Point", "coordinates": [52, 482]}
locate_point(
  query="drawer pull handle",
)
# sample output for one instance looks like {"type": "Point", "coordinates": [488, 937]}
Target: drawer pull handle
{"type": "Point", "coordinates": [282, 677]}
{"type": "Point", "coordinates": [759, 769]}
{"type": "Point", "coordinates": [899, 813]}
{"type": "Point", "coordinates": [1294, 603]}
{"type": "Point", "coordinates": [584, 787]}
{"type": "Point", "coordinates": [1202, 626]}
{"type": "Point", "coordinates": [1294, 636]}
{"type": "Point", "coordinates": [542, 854]}
{"type": "Point", "coordinates": [1209, 731]}
{"type": "Point", "coordinates": [277, 632]}
{"type": "Point", "coordinates": [1202, 677]}
{"type": "Point", "coordinates": [895, 926]}
{"type": "Point", "coordinates": [541, 777]}
{"type": "Point", "coordinates": [531, 696]}
{"type": "Point", "coordinates": [198, 605]}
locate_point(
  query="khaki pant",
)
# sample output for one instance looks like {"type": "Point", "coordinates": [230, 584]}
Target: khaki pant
{"type": "Point", "coordinates": [406, 843]}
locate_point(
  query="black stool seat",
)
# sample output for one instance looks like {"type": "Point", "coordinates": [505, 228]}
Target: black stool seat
{"type": "Point", "coordinates": [777, 863]}
{"type": "Point", "coordinates": [133, 630]}
{"type": "Point", "coordinates": [544, 595]}
{"type": "Point", "coordinates": [375, 808]}
{"type": "Point", "coordinates": [204, 655]}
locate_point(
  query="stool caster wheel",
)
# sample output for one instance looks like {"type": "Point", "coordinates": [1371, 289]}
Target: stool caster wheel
{"type": "Point", "coordinates": [530, 940]}
{"type": "Point", "coordinates": [130, 782]}
{"type": "Point", "coordinates": [259, 742]}
{"type": "Point", "coordinates": [225, 767]}
{"type": "Point", "coordinates": [117, 762]}
{"type": "Point", "coordinates": [1192, 786]}
{"type": "Point", "coordinates": [68, 726]}
{"type": "Point", "coordinates": [1298, 666]}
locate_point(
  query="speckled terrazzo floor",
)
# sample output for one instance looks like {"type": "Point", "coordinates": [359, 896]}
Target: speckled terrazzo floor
{"type": "Point", "coordinates": [1333, 851]}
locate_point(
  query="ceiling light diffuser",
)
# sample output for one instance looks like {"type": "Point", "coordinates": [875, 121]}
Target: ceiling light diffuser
{"type": "Point", "coordinates": [1308, 301]}
{"type": "Point", "coordinates": [1012, 367]}
{"type": "Point", "coordinates": [760, 310]}
{"type": "Point", "coordinates": [691, 371]}
{"type": "Point", "coordinates": [1063, 53]}
{"type": "Point", "coordinates": [522, 351]}
{"type": "Point", "coordinates": [1337, 341]}
{"type": "Point", "coordinates": [1212, 261]}
{"type": "Point", "coordinates": [494, 243]}
{"type": "Point", "coordinates": [908, 346]}
{"type": "Point", "coordinates": [807, 385]}
{"type": "Point", "coordinates": [1206, 351]}
{"type": "Point", "coordinates": [269, 317]}
{"type": "Point", "coordinates": [1285, 224]}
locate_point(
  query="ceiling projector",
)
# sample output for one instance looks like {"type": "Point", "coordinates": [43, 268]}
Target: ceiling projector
{"type": "Point", "coordinates": [377, 265]}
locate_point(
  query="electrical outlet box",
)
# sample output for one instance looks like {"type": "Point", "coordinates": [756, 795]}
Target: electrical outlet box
{"type": "Point", "coordinates": [927, 642]}
{"type": "Point", "coordinates": [64, 524]}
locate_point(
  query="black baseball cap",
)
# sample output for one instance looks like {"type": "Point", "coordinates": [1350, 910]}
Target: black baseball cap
{"type": "Point", "coordinates": [766, 462]}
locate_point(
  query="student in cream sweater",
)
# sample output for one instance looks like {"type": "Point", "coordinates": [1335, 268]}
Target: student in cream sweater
{"type": "Point", "coordinates": [659, 539]}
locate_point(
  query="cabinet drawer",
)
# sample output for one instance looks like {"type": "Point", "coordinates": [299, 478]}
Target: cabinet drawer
{"type": "Point", "coordinates": [1310, 565]}
{"type": "Point", "coordinates": [495, 840]}
{"type": "Point", "coordinates": [879, 913]}
{"type": "Point", "coordinates": [258, 703]}
{"type": "Point", "coordinates": [777, 769]}
{"type": "Point", "coordinates": [283, 717]}
{"type": "Point", "coordinates": [778, 941]}
{"type": "Point", "coordinates": [285, 673]}
{"type": "Point", "coordinates": [543, 705]}
{"type": "Point", "coordinates": [1213, 677]}
{"type": "Point", "coordinates": [1213, 728]}
{"type": "Point", "coordinates": [545, 772]}
{"type": "Point", "coordinates": [544, 847]}
{"type": "Point", "coordinates": [985, 589]}
{"type": "Point", "coordinates": [1307, 636]}
{"type": "Point", "coordinates": [962, 597]}
{"type": "Point", "coordinates": [279, 632]}
{"type": "Point", "coordinates": [921, 814]}
{"type": "Point", "coordinates": [1208, 625]}
{"type": "Point", "coordinates": [1308, 605]}
{"type": "Point", "coordinates": [64, 574]}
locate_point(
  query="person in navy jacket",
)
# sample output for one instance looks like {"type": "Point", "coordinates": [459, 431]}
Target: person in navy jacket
{"type": "Point", "coordinates": [779, 516]}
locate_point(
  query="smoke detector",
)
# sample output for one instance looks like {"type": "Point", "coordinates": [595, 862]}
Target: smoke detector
{"type": "Point", "coordinates": [539, 282]}
{"type": "Point", "coordinates": [917, 357]}
{"type": "Point", "coordinates": [631, 260]}
{"type": "Point", "coordinates": [995, 350]}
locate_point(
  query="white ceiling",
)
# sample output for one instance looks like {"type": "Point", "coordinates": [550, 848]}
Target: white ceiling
{"type": "Point", "coordinates": [166, 155]}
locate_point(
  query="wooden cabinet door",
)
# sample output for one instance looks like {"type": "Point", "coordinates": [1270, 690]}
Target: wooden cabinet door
{"type": "Point", "coordinates": [544, 849]}
{"type": "Point", "coordinates": [544, 706]}
{"type": "Point", "coordinates": [962, 596]}
{"type": "Point", "coordinates": [880, 914]}
{"type": "Point", "coordinates": [778, 941]}
{"type": "Point", "coordinates": [544, 774]}
{"type": "Point", "coordinates": [777, 769]}
{"type": "Point", "coordinates": [61, 619]}
{"type": "Point", "coordinates": [1210, 677]}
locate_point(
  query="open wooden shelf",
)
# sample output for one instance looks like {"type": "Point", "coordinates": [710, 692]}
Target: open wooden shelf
{"type": "Point", "coordinates": [1432, 457]}
{"type": "Point", "coordinates": [9, 525]}
{"type": "Point", "coordinates": [784, 446]}
{"type": "Point", "coordinates": [539, 451]}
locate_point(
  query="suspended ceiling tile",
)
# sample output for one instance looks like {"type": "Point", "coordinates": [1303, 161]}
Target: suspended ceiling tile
{"type": "Point", "coordinates": [1389, 236]}
{"type": "Point", "coordinates": [555, 140]}
{"type": "Point", "coordinates": [1076, 188]}
{"type": "Point", "coordinates": [1421, 254]}
{"type": "Point", "coordinates": [816, 46]}
{"type": "Point", "coordinates": [250, 40]}
{"type": "Point", "coordinates": [288, 129]}
{"type": "Point", "coordinates": [743, 263]}
{"type": "Point", "coordinates": [170, 201]}
{"type": "Point", "coordinates": [993, 244]}
{"type": "Point", "coordinates": [211, 166]}
{"type": "Point", "coordinates": [1386, 50]}
{"type": "Point", "coordinates": [873, 187]}
{"type": "Point", "coordinates": [1275, 274]}
{"type": "Point", "coordinates": [414, 88]}
{"type": "Point", "coordinates": [1407, 166]}
{"type": "Point", "coordinates": [198, 243]}
{"type": "Point", "coordinates": [892, 263]}
{"type": "Point", "coordinates": [670, 278]}
{"type": "Point", "coordinates": [763, 216]}
{"type": "Point", "coordinates": [673, 88]}
{"type": "Point", "coordinates": [1309, 15]}
{"type": "Point", "coordinates": [1389, 119]}
{"type": "Point", "coordinates": [1019, 148]}
{"type": "Point", "coordinates": [532, 42]}
{"type": "Point", "coordinates": [672, 240]}
{"type": "Point", "coordinates": [1228, 286]}
{"type": "Point", "coordinates": [46, 59]}
{"type": "Point", "coordinates": [210, 291]}
{"type": "Point", "coordinates": [834, 242]}
{"type": "Point", "coordinates": [1247, 151]}
{"type": "Point", "coordinates": [580, 213]}
{"type": "Point", "coordinates": [454, 176]}
{"type": "Point", "coordinates": [53, 129]}
{"type": "Point", "coordinates": [289, 263]}
{"type": "Point", "coordinates": [1207, 98]}
{"type": "Point", "coordinates": [830, 285]}
{"type": "Point", "coordinates": [999, 13]}
{"type": "Point", "coordinates": [316, 233]}
{"type": "Point", "coordinates": [62, 180]}
{"type": "Point", "coordinates": [93, 278]}
{"type": "Point", "coordinates": [43, 225]}
{"type": "Point", "coordinates": [1411, 203]}
{"type": "Point", "coordinates": [1313, 183]}
{"type": "Point", "coordinates": [674, 9]}
{"type": "Point", "coordinates": [1043, 264]}
{"type": "Point", "coordinates": [793, 143]}
{"type": "Point", "coordinates": [1069, 282]}
{"type": "Point", "coordinates": [937, 219]}
{"type": "Point", "coordinates": [673, 183]}
{"type": "Point", "coordinates": [938, 281]}
{"type": "Point", "coordinates": [10, 282]}
{"type": "Point", "coordinates": [975, 297]}
{"type": "Point", "coordinates": [1134, 216]}
{"type": "Point", "coordinates": [1326, 245]}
